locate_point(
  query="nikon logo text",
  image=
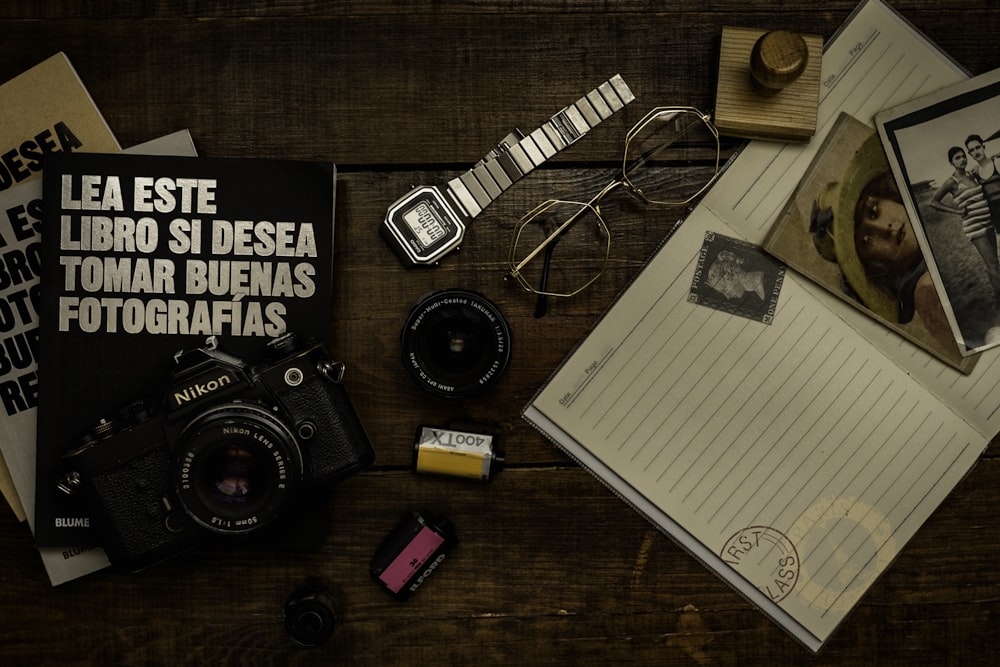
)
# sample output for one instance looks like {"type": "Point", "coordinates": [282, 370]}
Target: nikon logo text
{"type": "Point", "coordinates": [199, 389]}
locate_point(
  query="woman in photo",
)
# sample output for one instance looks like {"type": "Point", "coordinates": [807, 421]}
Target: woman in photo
{"type": "Point", "coordinates": [967, 201]}
{"type": "Point", "coordinates": [861, 224]}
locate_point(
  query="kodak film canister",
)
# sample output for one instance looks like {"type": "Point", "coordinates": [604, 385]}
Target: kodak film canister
{"type": "Point", "coordinates": [456, 451]}
{"type": "Point", "coordinates": [410, 553]}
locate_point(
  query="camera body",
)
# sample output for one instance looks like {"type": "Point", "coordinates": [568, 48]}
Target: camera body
{"type": "Point", "coordinates": [222, 452]}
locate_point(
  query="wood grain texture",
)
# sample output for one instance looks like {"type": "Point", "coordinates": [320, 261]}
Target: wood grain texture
{"type": "Point", "coordinates": [742, 111]}
{"type": "Point", "coordinates": [552, 568]}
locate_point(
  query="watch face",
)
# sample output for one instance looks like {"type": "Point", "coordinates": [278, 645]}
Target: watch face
{"type": "Point", "coordinates": [425, 223]}
{"type": "Point", "coordinates": [422, 227]}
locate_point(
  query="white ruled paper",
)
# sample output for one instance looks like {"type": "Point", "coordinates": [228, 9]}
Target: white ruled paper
{"type": "Point", "coordinates": [713, 424]}
{"type": "Point", "coordinates": [794, 449]}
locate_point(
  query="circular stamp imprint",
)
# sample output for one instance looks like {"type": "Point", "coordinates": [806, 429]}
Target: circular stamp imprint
{"type": "Point", "coordinates": [766, 558]}
{"type": "Point", "coordinates": [849, 543]}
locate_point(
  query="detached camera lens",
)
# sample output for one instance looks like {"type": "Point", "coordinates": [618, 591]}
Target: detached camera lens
{"type": "Point", "coordinates": [456, 343]}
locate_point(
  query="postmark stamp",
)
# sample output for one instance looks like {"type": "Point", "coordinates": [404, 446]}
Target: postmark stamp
{"type": "Point", "coordinates": [737, 277]}
{"type": "Point", "coordinates": [852, 543]}
{"type": "Point", "coordinates": [766, 558]}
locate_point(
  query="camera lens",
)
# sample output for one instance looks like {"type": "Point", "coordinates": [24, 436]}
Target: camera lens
{"type": "Point", "coordinates": [235, 473]}
{"type": "Point", "coordinates": [456, 343]}
{"type": "Point", "coordinates": [236, 465]}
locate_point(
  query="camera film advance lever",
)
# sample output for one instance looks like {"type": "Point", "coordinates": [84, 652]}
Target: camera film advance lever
{"type": "Point", "coordinates": [428, 222]}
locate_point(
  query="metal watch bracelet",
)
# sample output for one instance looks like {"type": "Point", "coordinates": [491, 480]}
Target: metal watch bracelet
{"type": "Point", "coordinates": [480, 186]}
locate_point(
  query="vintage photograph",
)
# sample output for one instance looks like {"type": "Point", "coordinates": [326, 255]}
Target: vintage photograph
{"type": "Point", "coordinates": [845, 228]}
{"type": "Point", "coordinates": [944, 150]}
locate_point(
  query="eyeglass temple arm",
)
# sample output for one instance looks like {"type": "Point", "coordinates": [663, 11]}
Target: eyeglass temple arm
{"type": "Point", "coordinates": [542, 302]}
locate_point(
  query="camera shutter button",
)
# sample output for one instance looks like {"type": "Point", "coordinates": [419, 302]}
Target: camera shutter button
{"type": "Point", "coordinates": [293, 377]}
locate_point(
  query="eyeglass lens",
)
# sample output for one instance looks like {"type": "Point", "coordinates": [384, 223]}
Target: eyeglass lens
{"type": "Point", "coordinates": [573, 259]}
{"type": "Point", "coordinates": [661, 143]}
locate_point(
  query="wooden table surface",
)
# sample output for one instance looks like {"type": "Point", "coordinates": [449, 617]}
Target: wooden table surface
{"type": "Point", "coordinates": [552, 568]}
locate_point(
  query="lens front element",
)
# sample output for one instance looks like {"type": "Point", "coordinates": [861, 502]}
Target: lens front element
{"type": "Point", "coordinates": [236, 466]}
{"type": "Point", "coordinates": [456, 343]}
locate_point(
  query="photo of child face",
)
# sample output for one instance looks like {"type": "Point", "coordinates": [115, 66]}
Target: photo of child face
{"type": "Point", "coordinates": [882, 233]}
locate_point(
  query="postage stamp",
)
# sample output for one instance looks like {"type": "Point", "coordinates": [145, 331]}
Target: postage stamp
{"type": "Point", "coordinates": [738, 278]}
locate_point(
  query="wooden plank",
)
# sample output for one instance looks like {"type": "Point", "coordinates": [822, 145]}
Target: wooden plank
{"type": "Point", "coordinates": [522, 586]}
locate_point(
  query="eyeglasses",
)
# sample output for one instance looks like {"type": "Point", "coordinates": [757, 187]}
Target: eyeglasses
{"type": "Point", "coordinates": [561, 247]}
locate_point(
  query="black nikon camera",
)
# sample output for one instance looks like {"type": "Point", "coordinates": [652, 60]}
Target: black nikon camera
{"type": "Point", "coordinates": [221, 453]}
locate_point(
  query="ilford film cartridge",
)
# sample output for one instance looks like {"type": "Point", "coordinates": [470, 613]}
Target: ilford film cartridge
{"type": "Point", "coordinates": [410, 553]}
{"type": "Point", "coordinates": [460, 450]}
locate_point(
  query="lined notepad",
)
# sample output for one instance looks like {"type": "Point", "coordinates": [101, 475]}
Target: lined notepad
{"type": "Point", "coordinates": [800, 429]}
{"type": "Point", "coordinates": [796, 453]}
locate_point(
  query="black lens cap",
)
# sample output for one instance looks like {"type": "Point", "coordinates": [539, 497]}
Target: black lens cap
{"type": "Point", "coordinates": [310, 616]}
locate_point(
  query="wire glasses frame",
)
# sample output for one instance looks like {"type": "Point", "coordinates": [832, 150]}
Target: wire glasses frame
{"type": "Point", "coordinates": [655, 132]}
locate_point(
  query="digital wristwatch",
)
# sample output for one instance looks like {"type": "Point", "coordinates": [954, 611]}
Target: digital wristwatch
{"type": "Point", "coordinates": [428, 222]}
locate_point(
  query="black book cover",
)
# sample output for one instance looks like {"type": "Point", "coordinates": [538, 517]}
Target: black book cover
{"type": "Point", "coordinates": [143, 256]}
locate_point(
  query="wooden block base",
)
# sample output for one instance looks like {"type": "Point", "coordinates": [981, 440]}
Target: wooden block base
{"type": "Point", "coordinates": [741, 111]}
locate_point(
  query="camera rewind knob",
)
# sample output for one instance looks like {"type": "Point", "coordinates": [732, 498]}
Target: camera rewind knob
{"type": "Point", "coordinates": [285, 344]}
